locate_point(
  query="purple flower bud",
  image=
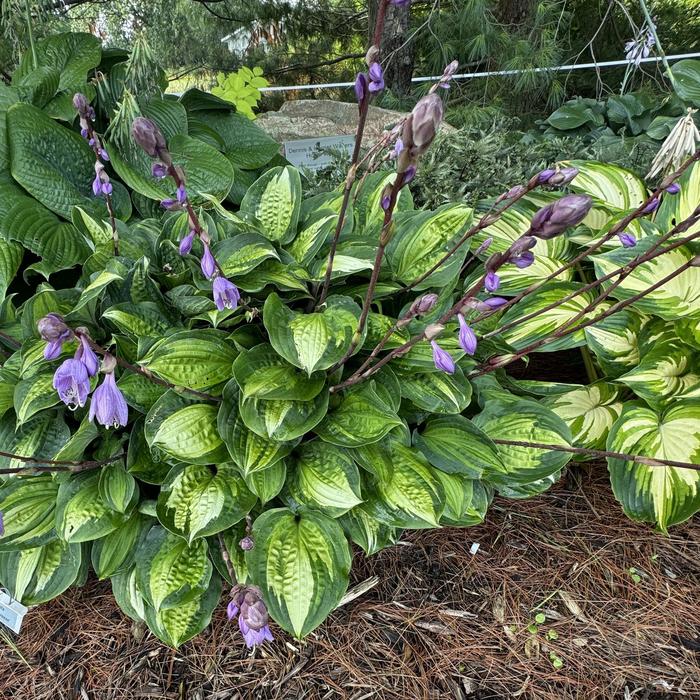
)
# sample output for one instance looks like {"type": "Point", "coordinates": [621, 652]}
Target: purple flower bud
{"type": "Point", "coordinates": [423, 304]}
{"type": "Point", "coordinates": [673, 188]}
{"type": "Point", "coordinates": [246, 544]}
{"type": "Point", "coordinates": [652, 206]}
{"type": "Point", "coordinates": [562, 177]}
{"type": "Point", "coordinates": [97, 186]}
{"type": "Point", "coordinates": [484, 246]}
{"type": "Point", "coordinates": [409, 174]}
{"type": "Point", "coordinates": [492, 281]}
{"type": "Point", "coordinates": [147, 135]}
{"type": "Point", "coordinates": [87, 356]}
{"type": "Point", "coordinates": [72, 383]}
{"type": "Point", "coordinates": [376, 78]}
{"type": "Point", "coordinates": [91, 142]}
{"type": "Point", "coordinates": [55, 332]}
{"type": "Point", "coordinates": [226, 294]}
{"type": "Point", "coordinates": [556, 217]}
{"type": "Point", "coordinates": [186, 243]}
{"type": "Point", "coordinates": [361, 87]}
{"type": "Point", "coordinates": [442, 359]}
{"type": "Point", "coordinates": [232, 609]}
{"type": "Point", "coordinates": [159, 170]}
{"type": "Point", "coordinates": [104, 155]}
{"type": "Point", "coordinates": [108, 406]}
{"type": "Point", "coordinates": [170, 204]}
{"type": "Point", "coordinates": [544, 176]}
{"type": "Point", "coordinates": [82, 106]}
{"type": "Point", "coordinates": [491, 304]}
{"type": "Point", "coordinates": [421, 126]}
{"type": "Point", "coordinates": [247, 602]}
{"type": "Point", "coordinates": [627, 239]}
{"type": "Point", "coordinates": [181, 194]}
{"type": "Point", "coordinates": [398, 147]}
{"type": "Point", "coordinates": [516, 191]}
{"type": "Point", "coordinates": [524, 259]}
{"type": "Point", "coordinates": [84, 133]}
{"type": "Point", "coordinates": [106, 188]}
{"type": "Point", "coordinates": [208, 263]}
{"type": "Point", "coordinates": [467, 337]}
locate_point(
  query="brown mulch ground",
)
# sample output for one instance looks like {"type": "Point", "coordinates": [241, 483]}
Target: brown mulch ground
{"type": "Point", "coordinates": [440, 623]}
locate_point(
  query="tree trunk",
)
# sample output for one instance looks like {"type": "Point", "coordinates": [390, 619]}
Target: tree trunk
{"type": "Point", "coordinates": [513, 13]}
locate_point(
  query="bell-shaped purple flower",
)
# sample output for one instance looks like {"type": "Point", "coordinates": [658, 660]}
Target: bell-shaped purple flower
{"type": "Point", "coordinates": [55, 332]}
{"type": "Point", "coordinates": [247, 603]}
{"type": "Point", "coordinates": [108, 405]}
{"type": "Point", "coordinates": [96, 186]}
{"type": "Point", "coordinates": [361, 87]}
{"type": "Point", "coordinates": [627, 239]}
{"type": "Point", "coordinates": [376, 78]}
{"type": "Point", "coordinates": [87, 356]}
{"type": "Point", "coordinates": [524, 259]}
{"type": "Point", "coordinates": [159, 170]}
{"type": "Point", "coordinates": [181, 194]}
{"type": "Point", "coordinates": [492, 281]}
{"type": "Point", "coordinates": [72, 383]}
{"type": "Point", "coordinates": [226, 294]}
{"type": "Point", "coordinates": [442, 359]}
{"type": "Point", "coordinates": [186, 243]}
{"type": "Point", "coordinates": [673, 188]}
{"type": "Point", "coordinates": [208, 263]}
{"type": "Point", "coordinates": [104, 155]}
{"type": "Point", "coordinates": [467, 337]}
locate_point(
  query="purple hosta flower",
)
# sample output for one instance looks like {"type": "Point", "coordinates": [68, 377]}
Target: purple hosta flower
{"type": "Point", "coordinates": [246, 544]}
{"type": "Point", "coordinates": [91, 142]}
{"type": "Point", "coordinates": [181, 194]}
{"type": "Point", "coordinates": [673, 188]}
{"type": "Point", "coordinates": [556, 217]}
{"type": "Point", "coordinates": [409, 174]}
{"type": "Point", "coordinates": [467, 337]}
{"type": "Point", "coordinates": [104, 155]}
{"type": "Point", "coordinates": [101, 183]}
{"type": "Point", "coordinates": [247, 603]}
{"type": "Point", "coordinates": [186, 243]}
{"type": "Point", "coordinates": [55, 332]}
{"type": "Point", "coordinates": [147, 135]}
{"type": "Point", "coordinates": [652, 206]}
{"type": "Point", "coordinates": [421, 126]}
{"type": "Point", "coordinates": [484, 246]}
{"type": "Point", "coordinates": [442, 359]}
{"type": "Point", "coordinates": [361, 87]}
{"type": "Point", "coordinates": [108, 405]}
{"type": "Point", "coordinates": [398, 147]}
{"type": "Point", "coordinates": [423, 304]}
{"type": "Point", "coordinates": [159, 170]}
{"type": "Point", "coordinates": [627, 239]}
{"type": "Point", "coordinates": [72, 383]}
{"type": "Point", "coordinates": [524, 259]}
{"type": "Point", "coordinates": [170, 204]}
{"type": "Point", "coordinates": [492, 281]}
{"type": "Point", "coordinates": [639, 48]}
{"type": "Point", "coordinates": [489, 305]}
{"type": "Point", "coordinates": [84, 132]}
{"type": "Point", "coordinates": [208, 263]}
{"type": "Point", "coordinates": [226, 294]}
{"type": "Point", "coordinates": [87, 356]}
{"type": "Point", "coordinates": [561, 177]}
{"type": "Point", "coordinates": [543, 177]}
{"type": "Point", "coordinates": [385, 199]}
{"type": "Point", "coordinates": [376, 78]}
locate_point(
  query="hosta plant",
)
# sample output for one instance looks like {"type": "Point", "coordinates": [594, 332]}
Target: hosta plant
{"type": "Point", "coordinates": [210, 390]}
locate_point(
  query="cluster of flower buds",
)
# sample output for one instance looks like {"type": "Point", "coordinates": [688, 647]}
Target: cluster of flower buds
{"type": "Point", "coordinates": [101, 184]}
{"type": "Point", "coordinates": [372, 82]}
{"type": "Point", "coordinates": [247, 604]}
{"type": "Point", "coordinates": [555, 218]}
{"type": "Point", "coordinates": [147, 135]}
{"type": "Point", "coordinates": [447, 75]}
{"type": "Point", "coordinates": [557, 177]}
{"type": "Point", "coordinates": [72, 378]}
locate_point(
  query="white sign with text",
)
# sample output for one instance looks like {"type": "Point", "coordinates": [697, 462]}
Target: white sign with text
{"type": "Point", "coordinates": [314, 153]}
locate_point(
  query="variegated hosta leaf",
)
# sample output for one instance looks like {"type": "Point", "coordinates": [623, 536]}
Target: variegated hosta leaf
{"type": "Point", "coordinates": [466, 500]}
{"type": "Point", "coordinates": [267, 483]}
{"type": "Point", "coordinates": [589, 411]}
{"type": "Point", "coordinates": [670, 369]}
{"type": "Point", "coordinates": [548, 322]}
{"type": "Point", "coordinates": [524, 421]}
{"type": "Point", "coordinates": [326, 478]}
{"type": "Point", "coordinates": [242, 253]}
{"type": "Point", "coordinates": [34, 394]}
{"type": "Point", "coordinates": [36, 575]}
{"type": "Point", "coordinates": [437, 392]}
{"type": "Point", "coordinates": [41, 436]}
{"type": "Point", "coordinates": [661, 495]}
{"type": "Point", "coordinates": [688, 330]}
{"type": "Point", "coordinates": [117, 550]}
{"type": "Point", "coordinates": [301, 563]}
{"type": "Point", "coordinates": [677, 208]}
{"type": "Point", "coordinates": [311, 341]}
{"type": "Point", "coordinates": [678, 297]}
{"type": "Point", "coordinates": [615, 341]}
{"type": "Point", "coordinates": [368, 209]}
{"type": "Point", "coordinates": [127, 595]}
{"type": "Point", "coordinates": [312, 237]}
{"type": "Point", "coordinates": [366, 531]}
{"type": "Point", "coordinates": [118, 488]}
{"type": "Point", "coordinates": [362, 417]}
{"type": "Point", "coordinates": [170, 572]}
{"type": "Point", "coordinates": [455, 445]}
{"type": "Point", "coordinates": [28, 505]}
{"type": "Point", "coordinates": [197, 501]}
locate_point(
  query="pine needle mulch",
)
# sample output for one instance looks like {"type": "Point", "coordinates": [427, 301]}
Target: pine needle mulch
{"type": "Point", "coordinates": [621, 607]}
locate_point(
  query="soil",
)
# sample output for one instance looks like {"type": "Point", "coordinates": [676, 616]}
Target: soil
{"type": "Point", "coordinates": [621, 620]}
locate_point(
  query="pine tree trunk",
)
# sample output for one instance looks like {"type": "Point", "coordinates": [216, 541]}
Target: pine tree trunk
{"type": "Point", "coordinates": [513, 12]}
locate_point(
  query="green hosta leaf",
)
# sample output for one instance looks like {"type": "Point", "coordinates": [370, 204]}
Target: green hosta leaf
{"type": "Point", "coordinates": [127, 595]}
{"type": "Point", "coordinates": [437, 392]}
{"type": "Point", "coordinates": [81, 513]}
{"type": "Point", "coordinates": [281, 275]}
{"type": "Point", "coordinates": [139, 392]}
{"type": "Point", "coordinates": [615, 341]}
{"type": "Point", "coordinates": [678, 207]}
{"type": "Point", "coordinates": [261, 373]}
{"type": "Point", "coordinates": [10, 259]}
{"type": "Point", "coordinates": [199, 359]}
{"type": "Point", "coordinates": [267, 483]}
{"type": "Point", "coordinates": [455, 445]}
{"type": "Point", "coordinates": [301, 563]}
{"type": "Point", "coordinates": [34, 394]}
{"type": "Point", "coordinates": [197, 501]}
{"type": "Point", "coordinates": [249, 451]}
{"type": "Point", "coordinates": [669, 369]}
{"type": "Point", "coordinates": [140, 461]}
{"type": "Point", "coordinates": [526, 421]}
{"type": "Point", "coordinates": [116, 551]}
{"type": "Point", "coordinates": [37, 575]}
{"type": "Point", "coordinates": [98, 285]}
{"type": "Point", "coordinates": [678, 297]}
{"type": "Point", "coordinates": [421, 240]}
{"type": "Point", "coordinates": [136, 320]}
{"type": "Point", "coordinates": [686, 76]}
{"type": "Point", "coordinates": [311, 341]}
{"type": "Point", "coordinates": [661, 495]}
{"type": "Point", "coordinates": [589, 411]}
{"type": "Point", "coordinates": [310, 240]}
{"type": "Point", "coordinates": [184, 430]}
{"type": "Point", "coordinates": [547, 323]}
{"type": "Point", "coordinates": [41, 436]}
{"type": "Point", "coordinates": [466, 500]}
{"type": "Point", "coordinates": [243, 253]}
{"type": "Point", "coordinates": [28, 505]}
{"type": "Point", "coordinates": [362, 417]}
{"type": "Point", "coordinates": [326, 478]}
{"type": "Point", "coordinates": [169, 571]}
{"type": "Point", "coordinates": [117, 488]}
{"type": "Point", "coordinates": [366, 531]}
{"type": "Point", "coordinates": [274, 200]}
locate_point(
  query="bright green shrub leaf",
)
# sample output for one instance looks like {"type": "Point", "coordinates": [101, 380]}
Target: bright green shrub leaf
{"type": "Point", "coordinates": [437, 392]}
{"type": "Point", "coordinates": [197, 501]}
{"type": "Point", "coordinates": [366, 531]}
{"type": "Point", "coordinates": [267, 483]}
{"type": "Point", "coordinates": [118, 488]}
{"type": "Point", "coordinates": [169, 571]}
{"type": "Point", "coordinates": [661, 495]}
{"type": "Point", "coordinates": [466, 500]}
{"type": "Point", "coordinates": [116, 551]}
{"type": "Point", "coordinates": [28, 505]}
{"type": "Point", "coordinates": [34, 394]}
{"type": "Point", "coordinates": [615, 341]}
{"type": "Point", "coordinates": [274, 200]}
{"type": "Point", "coordinates": [326, 478]}
{"type": "Point", "coordinates": [41, 436]}
{"type": "Point", "coordinates": [301, 563]}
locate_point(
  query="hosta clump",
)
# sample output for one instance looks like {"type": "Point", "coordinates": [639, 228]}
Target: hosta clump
{"type": "Point", "coordinates": [228, 385]}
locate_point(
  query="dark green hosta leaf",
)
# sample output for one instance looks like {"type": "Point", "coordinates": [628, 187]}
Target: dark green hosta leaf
{"type": "Point", "coordinates": [326, 478]}
{"type": "Point", "coordinates": [274, 200]}
{"type": "Point", "coordinates": [267, 483]}
{"type": "Point", "coordinates": [466, 500]}
{"type": "Point", "coordinates": [526, 421]}
{"type": "Point", "coordinates": [28, 505]}
{"type": "Point", "coordinates": [34, 394]}
{"type": "Point", "coordinates": [261, 373]}
{"type": "Point", "coordinates": [169, 571]}
{"type": "Point", "coordinates": [117, 551]}
{"type": "Point", "coordinates": [437, 392]}
{"type": "Point", "coordinates": [127, 595]}
{"type": "Point", "coordinates": [301, 563]}
{"type": "Point", "coordinates": [36, 575]}
{"type": "Point", "coordinates": [661, 495]}
{"type": "Point", "coordinates": [184, 430]}
{"type": "Point", "coordinates": [8, 96]}
{"type": "Point", "coordinates": [74, 449]}
{"type": "Point", "coordinates": [140, 461]}
{"type": "Point", "coordinates": [197, 501]}
{"type": "Point", "coordinates": [136, 320]}
{"type": "Point", "coordinates": [686, 76]}
{"type": "Point", "coordinates": [118, 488]}
{"type": "Point", "coordinates": [81, 512]}
{"type": "Point", "coordinates": [363, 416]}
{"type": "Point", "coordinates": [311, 341]}
{"type": "Point", "coordinates": [285, 276]}
{"type": "Point", "coordinates": [39, 86]}
{"type": "Point", "coordinates": [455, 445]}
{"type": "Point", "coordinates": [249, 451]}
{"type": "Point", "coordinates": [199, 359]}
{"type": "Point", "coordinates": [41, 436]}
{"type": "Point", "coordinates": [139, 392]}
{"type": "Point", "coordinates": [243, 253]}
{"type": "Point", "coordinates": [11, 254]}
{"type": "Point", "coordinates": [366, 531]}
